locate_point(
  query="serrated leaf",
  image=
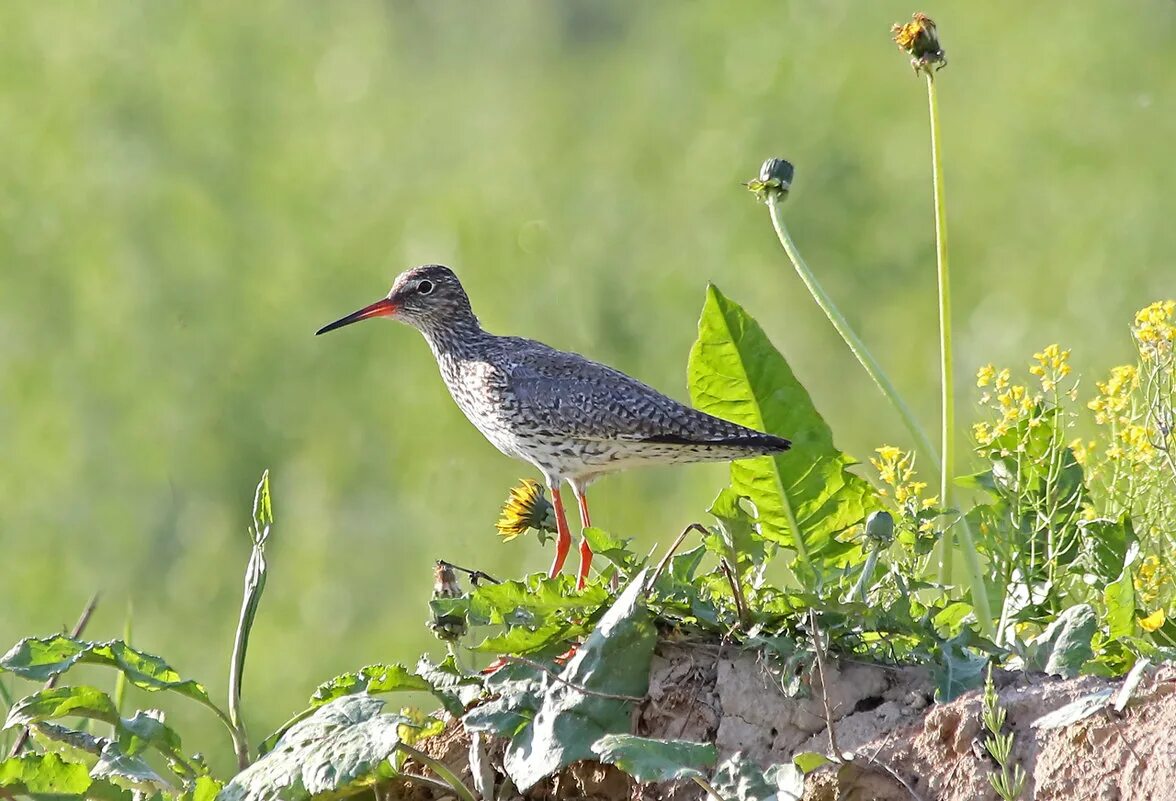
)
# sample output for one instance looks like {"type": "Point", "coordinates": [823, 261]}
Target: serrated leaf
{"type": "Point", "coordinates": [60, 702]}
{"type": "Point", "coordinates": [343, 747]}
{"type": "Point", "coordinates": [41, 658]}
{"type": "Point", "coordinates": [1075, 711]}
{"type": "Point", "coordinates": [651, 760]}
{"type": "Point", "coordinates": [533, 602]}
{"type": "Point", "coordinates": [43, 774]}
{"type": "Point", "coordinates": [517, 691]}
{"type": "Point", "coordinates": [805, 496]}
{"type": "Point", "coordinates": [371, 679]}
{"type": "Point", "coordinates": [613, 661]}
{"type": "Point", "coordinates": [523, 641]}
{"type": "Point", "coordinates": [129, 772]}
{"type": "Point", "coordinates": [739, 541]}
{"type": "Point", "coordinates": [611, 548]}
{"type": "Point", "coordinates": [133, 735]}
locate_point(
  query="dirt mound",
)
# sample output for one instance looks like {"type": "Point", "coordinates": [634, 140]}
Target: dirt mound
{"type": "Point", "coordinates": [904, 746]}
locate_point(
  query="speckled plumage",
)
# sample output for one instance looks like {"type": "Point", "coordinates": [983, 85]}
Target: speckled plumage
{"type": "Point", "coordinates": [571, 417]}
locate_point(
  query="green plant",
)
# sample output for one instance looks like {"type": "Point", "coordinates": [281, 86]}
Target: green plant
{"type": "Point", "coordinates": [1009, 780]}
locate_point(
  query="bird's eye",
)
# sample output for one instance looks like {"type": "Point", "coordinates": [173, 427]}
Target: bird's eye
{"type": "Point", "coordinates": [425, 287]}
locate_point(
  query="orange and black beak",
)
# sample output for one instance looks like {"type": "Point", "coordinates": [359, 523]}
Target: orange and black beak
{"type": "Point", "coordinates": [381, 308]}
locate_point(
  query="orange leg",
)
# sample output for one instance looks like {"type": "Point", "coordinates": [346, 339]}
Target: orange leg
{"type": "Point", "coordinates": [563, 539]}
{"type": "Point", "coordinates": [585, 550]}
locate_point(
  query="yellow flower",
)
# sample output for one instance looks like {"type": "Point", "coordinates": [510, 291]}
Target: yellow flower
{"type": "Point", "coordinates": [1002, 379]}
{"type": "Point", "coordinates": [1082, 450]}
{"type": "Point", "coordinates": [1150, 576]}
{"type": "Point", "coordinates": [1153, 621]}
{"type": "Point", "coordinates": [1114, 393]}
{"type": "Point", "coordinates": [888, 453]}
{"type": "Point", "coordinates": [526, 508]}
{"type": "Point", "coordinates": [1154, 330]}
{"type": "Point", "coordinates": [985, 375]}
{"type": "Point", "coordinates": [982, 433]}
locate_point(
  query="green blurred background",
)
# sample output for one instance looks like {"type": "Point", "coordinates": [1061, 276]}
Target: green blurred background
{"type": "Point", "coordinates": [189, 191]}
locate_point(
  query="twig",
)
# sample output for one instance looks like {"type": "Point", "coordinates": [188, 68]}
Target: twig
{"type": "Point", "coordinates": [819, 649]}
{"type": "Point", "coordinates": [475, 575]}
{"type": "Point", "coordinates": [877, 764]}
{"type": "Point", "coordinates": [733, 580]}
{"type": "Point", "coordinates": [665, 560]}
{"type": "Point", "coordinates": [75, 632]}
{"type": "Point", "coordinates": [710, 789]}
{"type": "Point", "coordinates": [437, 766]}
{"type": "Point", "coordinates": [578, 688]}
{"type": "Point", "coordinates": [428, 781]}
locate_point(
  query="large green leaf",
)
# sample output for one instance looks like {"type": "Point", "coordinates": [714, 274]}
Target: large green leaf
{"type": "Point", "coordinates": [650, 760]}
{"type": "Point", "coordinates": [41, 658]}
{"type": "Point", "coordinates": [43, 774]}
{"type": "Point", "coordinates": [804, 496]}
{"type": "Point", "coordinates": [343, 747]}
{"type": "Point", "coordinates": [588, 700]}
{"type": "Point", "coordinates": [1064, 647]}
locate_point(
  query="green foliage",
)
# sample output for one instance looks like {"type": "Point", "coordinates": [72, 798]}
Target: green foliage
{"type": "Point", "coordinates": [347, 745]}
{"type": "Point", "coordinates": [41, 658]}
{"type": "Point", "coordinates": [651, 760]}
{"type": "Point", "coordinates": [803, 497]}
{"type": "Point", "coordinates": [1009, 779]}
{"type": "Point", "coordinates": [589, 700]}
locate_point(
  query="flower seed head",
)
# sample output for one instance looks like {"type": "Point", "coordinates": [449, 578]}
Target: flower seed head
{"type": "Point", "coordinates": [919, 39]}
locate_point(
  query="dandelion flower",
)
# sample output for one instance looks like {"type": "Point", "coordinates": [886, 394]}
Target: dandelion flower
{"type": "Point", "coordinates": [526, 508]}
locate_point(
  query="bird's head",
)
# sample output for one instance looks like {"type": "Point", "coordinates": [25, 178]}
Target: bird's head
{"type": "Point", "coordinates": [426, 297]}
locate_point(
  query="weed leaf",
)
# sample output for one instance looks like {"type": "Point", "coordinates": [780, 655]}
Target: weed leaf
{"type": "Point", "coordinates": [650, 760]}
{"type": "Point", "coordinates": [343, 747]}
{"type": "Point", "coordinates": [613, 661]}
{"type": "Point", "coordinates": [40, 658]}
{"type": "Point", "coordinates": [806, 495]}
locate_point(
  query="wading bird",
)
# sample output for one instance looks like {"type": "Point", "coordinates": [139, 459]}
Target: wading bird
{"type": "Point", "coordinates": [572, 418]}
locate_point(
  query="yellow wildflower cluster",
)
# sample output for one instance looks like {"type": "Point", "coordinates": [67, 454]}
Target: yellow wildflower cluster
{"type": "Point", "coordinates": [1053, 364]}
{"type": "Point", "coordinates": [1114, 394]}
{"type": "Point", "coordinates": [1113, 407]}
{"type": "Point", "coordinates": [1012, 403]}
{"type": "Point", "coordinates": [896, 469]}
{"type": "Point", "coordinates": [1155, 330]}
{"type": "Point", "coordinates": [1150, 577]}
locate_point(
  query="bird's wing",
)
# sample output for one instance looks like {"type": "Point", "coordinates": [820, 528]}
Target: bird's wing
{"type": "Point", "coordinates": [568, 395]}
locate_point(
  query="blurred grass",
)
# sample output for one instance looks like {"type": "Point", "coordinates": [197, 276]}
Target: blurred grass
{"type": "Point", "coordinates": [189, 192]}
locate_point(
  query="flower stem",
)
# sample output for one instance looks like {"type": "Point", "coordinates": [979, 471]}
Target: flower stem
{"type": "Point", "coordinates": [947, 396]}
{"type": "Point", "coordinates": [855, 343]}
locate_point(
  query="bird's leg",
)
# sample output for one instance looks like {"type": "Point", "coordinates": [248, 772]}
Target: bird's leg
{"type": "Point", "coordinates": [563, 539]}
{"type": "Point", "coordinates": [585, 550]}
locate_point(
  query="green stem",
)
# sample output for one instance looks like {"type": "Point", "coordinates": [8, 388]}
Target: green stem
{"type": "Point", "coordinates": [971, 559]}
{"type": "Point", "coordinates": [947, 385]}
{"type": "Point", "coordinates": [864, 357]}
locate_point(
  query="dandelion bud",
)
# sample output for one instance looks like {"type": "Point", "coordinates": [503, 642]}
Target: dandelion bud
{"type": "Point", "coordinates": [775, 178]}
{"type": "Point", "coordinates": [880, 527]}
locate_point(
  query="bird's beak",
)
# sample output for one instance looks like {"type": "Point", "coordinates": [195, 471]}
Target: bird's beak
{"type": "Point", "coordinates": [381, 308]}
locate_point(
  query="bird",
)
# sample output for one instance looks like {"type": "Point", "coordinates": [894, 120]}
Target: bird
{"type": "Point", "coordinates": [573, 419]}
